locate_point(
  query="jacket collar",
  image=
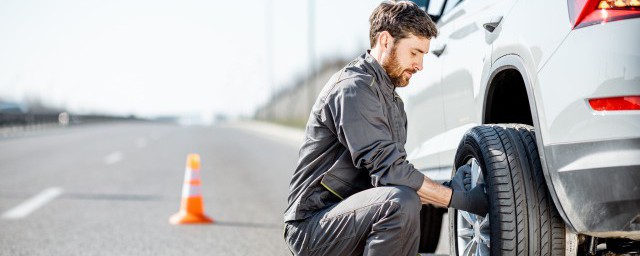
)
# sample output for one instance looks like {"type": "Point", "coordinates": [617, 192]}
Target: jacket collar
{"type": "Point", "coordinates": [379, 73]}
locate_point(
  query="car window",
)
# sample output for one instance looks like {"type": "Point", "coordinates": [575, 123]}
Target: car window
{"type": "Point", "coordinates": [450, 4]}
{"type": "Point", "coordinates": [435, 7]}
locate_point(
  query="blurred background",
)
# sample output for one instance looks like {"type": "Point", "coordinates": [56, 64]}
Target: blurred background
{"type": "Point", "coordinates": [190, 61]}
{"type": "Point", "coordinates": [102, 101]}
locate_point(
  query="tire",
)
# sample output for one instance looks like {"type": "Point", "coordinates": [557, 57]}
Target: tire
{"type": "Point", "coordinates": [430, 224]}
{"type": "Point", "coordinates": [522, 218]}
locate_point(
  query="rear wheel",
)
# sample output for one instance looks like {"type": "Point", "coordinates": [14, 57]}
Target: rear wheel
{"type": "Point", "coordinates": [430, 223]}
{"type": "Point", "coordinates": [522, 219]}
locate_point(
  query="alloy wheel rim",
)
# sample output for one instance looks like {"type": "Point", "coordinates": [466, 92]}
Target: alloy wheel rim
{"type": "Point", "coordinates": [473, 231]}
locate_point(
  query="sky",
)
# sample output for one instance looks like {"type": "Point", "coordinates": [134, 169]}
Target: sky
{"type": "Point", "coordinates": [151, 58]}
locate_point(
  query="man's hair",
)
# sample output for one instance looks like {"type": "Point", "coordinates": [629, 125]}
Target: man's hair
{"type": "Point", "coordinates": [400, 19]}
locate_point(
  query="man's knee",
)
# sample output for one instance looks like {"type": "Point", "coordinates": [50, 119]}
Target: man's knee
{"type": "Point", "coordinates": [406, 198]}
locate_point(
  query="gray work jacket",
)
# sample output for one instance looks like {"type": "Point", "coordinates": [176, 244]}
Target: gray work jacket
{"type": "Point", "coordinates": [354, 140]}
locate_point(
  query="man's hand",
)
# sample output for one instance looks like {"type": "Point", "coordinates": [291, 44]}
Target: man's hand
{"type": "Point", "coordinates": [475, 200]}
{"type": "Point", "coordinates": [462, 179]}
{"type": "Point", "coordinates": [456, 193]}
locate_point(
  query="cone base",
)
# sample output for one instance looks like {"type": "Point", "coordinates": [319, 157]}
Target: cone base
{"type": "Point", "coordinates": [188, 218]}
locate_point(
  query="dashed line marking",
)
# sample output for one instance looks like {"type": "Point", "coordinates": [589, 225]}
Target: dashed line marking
{"type": "Point", "coordinates": [32, 204]}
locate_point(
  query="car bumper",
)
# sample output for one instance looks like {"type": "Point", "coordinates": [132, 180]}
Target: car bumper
{"type": "Point", "coordinates": [598, 185]}
{"type": "Point", "coordinates": [593, 158]}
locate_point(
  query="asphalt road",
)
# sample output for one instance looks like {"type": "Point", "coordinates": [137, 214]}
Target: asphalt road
{"type": "Point", "coordinates": [110, 189]}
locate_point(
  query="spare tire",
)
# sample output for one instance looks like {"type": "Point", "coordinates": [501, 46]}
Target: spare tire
{"type": "Point", "coordinates": [522, 219]}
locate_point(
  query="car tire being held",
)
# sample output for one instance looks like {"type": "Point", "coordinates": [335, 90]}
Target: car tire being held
{"type": "Point", "coordinates": [522, 218]}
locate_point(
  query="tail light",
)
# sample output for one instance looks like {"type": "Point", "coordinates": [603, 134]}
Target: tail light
{"type": "Point", "coordinates": [590, 12]}
{"type": "Point", "coordinates": [615, 103]}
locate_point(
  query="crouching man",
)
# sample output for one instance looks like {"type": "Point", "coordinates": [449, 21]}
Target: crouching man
{"type": "Point", "coordinates": [353, 191]}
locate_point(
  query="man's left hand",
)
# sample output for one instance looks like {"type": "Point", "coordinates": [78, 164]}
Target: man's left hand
{"type": "Point", "coordinates": [462, 179]}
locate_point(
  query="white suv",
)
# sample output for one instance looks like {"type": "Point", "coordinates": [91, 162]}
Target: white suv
{"type": "Point", "coordinates": [542, 98]}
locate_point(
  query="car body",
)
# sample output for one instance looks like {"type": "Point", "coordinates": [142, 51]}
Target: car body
{"type": "Point", "coordinates": [533, 62]}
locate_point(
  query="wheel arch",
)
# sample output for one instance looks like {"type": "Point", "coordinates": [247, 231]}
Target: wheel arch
{"type": "Point", "coordinates": [514, 65]}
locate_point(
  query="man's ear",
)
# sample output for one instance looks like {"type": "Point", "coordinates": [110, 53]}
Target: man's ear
{"type": "Point", "coordinates": [385, 40]}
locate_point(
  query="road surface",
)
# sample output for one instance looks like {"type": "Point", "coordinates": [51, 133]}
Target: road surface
{"type": "Point", "coordinates": [109, 189]}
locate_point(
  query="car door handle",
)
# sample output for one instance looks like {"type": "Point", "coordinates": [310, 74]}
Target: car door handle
{"type": "Point", "coordinates": [439, 49]}
{"type": "Point", "coordinates": [493, 24]}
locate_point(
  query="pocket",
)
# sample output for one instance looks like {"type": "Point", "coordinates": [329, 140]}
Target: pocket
{"type": "Point", "coordinates": [334, 234]}
{"type": "Point", "coordinates": [344, 181]}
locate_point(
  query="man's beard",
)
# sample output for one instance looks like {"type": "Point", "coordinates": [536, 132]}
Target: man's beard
{"type": "Point", "coordinates": [395, 71]}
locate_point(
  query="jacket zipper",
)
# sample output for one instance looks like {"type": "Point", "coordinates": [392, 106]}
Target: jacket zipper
{"type": "Point", "coordinates": [397, 114]}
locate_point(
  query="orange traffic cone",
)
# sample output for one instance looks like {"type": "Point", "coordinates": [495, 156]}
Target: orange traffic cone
{"type": "Point", "coordinates": [191, 209]}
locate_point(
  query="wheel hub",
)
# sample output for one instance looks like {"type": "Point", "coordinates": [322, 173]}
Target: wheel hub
{"type": "Point", "coordinates": [473, 235]}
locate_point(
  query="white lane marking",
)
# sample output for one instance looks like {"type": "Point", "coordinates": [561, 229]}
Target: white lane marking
{"type": "Point", "coordinates": [24, 209]}
{"type": "Point", "coordinates": [113, 158]}
{"type": "Point", "coordinates": [141, 142]}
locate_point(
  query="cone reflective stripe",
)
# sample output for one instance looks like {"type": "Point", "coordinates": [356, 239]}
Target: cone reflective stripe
{"type": "Point", "coordinates": [191, 186]}
{"type": "Point", "coordinates": [191, 209]}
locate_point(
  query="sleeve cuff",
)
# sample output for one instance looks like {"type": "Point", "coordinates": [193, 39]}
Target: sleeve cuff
{"type": "Point", "coordinates": [416, 179]}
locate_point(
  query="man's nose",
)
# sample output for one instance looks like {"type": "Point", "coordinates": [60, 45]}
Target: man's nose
{"type": "Point", "coordinates": [417, 66]}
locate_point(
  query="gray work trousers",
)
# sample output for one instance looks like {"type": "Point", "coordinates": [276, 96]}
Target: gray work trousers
{"type": "Point", "coordinates": [376, 221]}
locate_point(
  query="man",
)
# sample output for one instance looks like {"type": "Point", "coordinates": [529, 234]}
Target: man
{"type": "Point", "coordinates": [353, 191]}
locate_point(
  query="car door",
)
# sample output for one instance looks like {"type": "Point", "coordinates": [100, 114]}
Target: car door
{"type": "Point", "coordinates": [424, 106]}
{"type": "Point", "coordinates": [423, 103]}
{"type": "Point", "coordinates": [467, 56]}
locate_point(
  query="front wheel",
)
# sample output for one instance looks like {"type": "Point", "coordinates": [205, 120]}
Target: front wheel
{"type": "Point", "coordinates": [522, 219]}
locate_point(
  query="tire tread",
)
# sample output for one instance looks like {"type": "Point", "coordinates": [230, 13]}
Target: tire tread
{"type": "Point", "coordinates": [524, 219]}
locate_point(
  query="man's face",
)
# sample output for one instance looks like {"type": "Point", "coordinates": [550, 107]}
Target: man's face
{"type": "Point", "coordinates": [404, 58]}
